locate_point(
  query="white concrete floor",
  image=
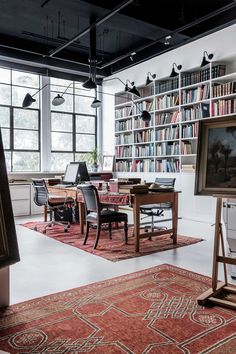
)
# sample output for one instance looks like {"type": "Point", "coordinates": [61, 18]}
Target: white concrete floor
{"type": "Point", "coordinates": [48, 266]}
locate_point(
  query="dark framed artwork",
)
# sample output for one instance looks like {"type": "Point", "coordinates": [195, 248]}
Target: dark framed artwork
{"type": "Point", "coordinates": [9, 252]}
{"type": "Point", "coordinates": [216, 157]}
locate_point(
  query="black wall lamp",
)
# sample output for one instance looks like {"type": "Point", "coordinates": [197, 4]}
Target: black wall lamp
{"type": "Point", "coordinates": [28, 100]}
{"type": "Point", "coordinates": [59, 99]}
{"type": "Point", "coordinates": [133, 89]}
{"type": "Point", "coordinates": [173, 72]}
{"type": "Point", "coordinates": [148, 80]}
{"type": "Point", "coordinates": [206, 58]}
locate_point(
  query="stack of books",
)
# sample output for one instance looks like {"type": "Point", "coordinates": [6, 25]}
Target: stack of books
{"type": "Point", "coordinates": [133, 188]}
{"type": "Point", "coordinates": [188, 168]}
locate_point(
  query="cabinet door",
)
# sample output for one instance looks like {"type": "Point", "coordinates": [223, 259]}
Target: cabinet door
{"type": "Point", "coordinates": [20, 197]}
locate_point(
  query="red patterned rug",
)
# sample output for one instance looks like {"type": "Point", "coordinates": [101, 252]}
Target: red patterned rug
{"type": "Point", "coordinates": [150, 311]}
{"type": "Point", "coordinates": [115, 249]}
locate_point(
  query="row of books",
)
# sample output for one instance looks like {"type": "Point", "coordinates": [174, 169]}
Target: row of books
{"type": "Point", "coordinates": [123, 166]}
{"type": "Point", "coordinates": [124, 151]}
{"type": "Point", "coordinates": [186, 148]}
{"type": "Point", "coordinates": [146, 150]}
{"type": "Point", "coordinates": [194, 77]}
{"type": "Point", "coordinates": [143, 166]}
{"type": "Point", "coordinates": [220, 89]}
{"type": "Point", "coordinates": [167, 133]}
{"type": "Point", "coordinates": [199, 111]}
{"type": "Point", "coordinates": [143, 136]}
{"type": "Point", "coordinates": [167, 118]}
{"type": "Point", "coordinates": [143, 105]}
{"type": "Point", "coordinates": [190, 131]}
{"type": "Point", "coordinates": [167, 101]}
{"type": "Point", "coordinates": [123, 112]}
{"type": "Point", "coordinates": [195, 95]}
{"type": "Point", "coordinates": [123, 125]}
{"type": "Point", "coordinates": [124, 139]}
{"type": "Point", "coordinates": [223, 107]}
{"type": "Point", "coordinates": [168, 165]}
{"type": "Point", "coordinates": [166, 85]}
{"type": "Point", "coordinates": [170, 148]}
{"type": "Point", "coordinates": [139, 123]}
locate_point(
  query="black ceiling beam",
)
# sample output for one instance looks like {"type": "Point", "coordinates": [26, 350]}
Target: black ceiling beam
{"type": "Point", "coordinates": [178, 30]}
{"type": "Point", "coordinates": [45, 3]}
{"type": "Point", "coordinates": [93, 25]}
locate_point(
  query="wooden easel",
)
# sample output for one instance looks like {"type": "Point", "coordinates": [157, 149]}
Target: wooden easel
{"type": "Point", "coordinates": [221, 293]}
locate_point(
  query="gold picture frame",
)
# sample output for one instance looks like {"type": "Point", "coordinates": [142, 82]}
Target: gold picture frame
{"type": "Point", "coordinates": [9, 252]}
{"type": "Point", "coordinates": [216, 157]}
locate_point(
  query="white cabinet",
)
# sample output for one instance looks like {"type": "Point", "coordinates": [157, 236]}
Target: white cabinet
{"type": "Point", "coordinates": [20, 197]}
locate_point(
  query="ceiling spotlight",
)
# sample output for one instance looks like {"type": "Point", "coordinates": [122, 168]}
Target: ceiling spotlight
{"type": "Point", "coordinates": [167, 38]}
{"type": "Point", "coordinates": [132, 56]}
{"type": "Point", "coordinates": [205, 60]}
{"type": "Point", "coordinates": [148, 80]}
{"type": "Point", "coordinates": [173, 72]}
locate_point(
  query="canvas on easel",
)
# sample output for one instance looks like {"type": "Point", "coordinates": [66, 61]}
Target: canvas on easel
{"type": "Point", "coordinates": [216, 176]}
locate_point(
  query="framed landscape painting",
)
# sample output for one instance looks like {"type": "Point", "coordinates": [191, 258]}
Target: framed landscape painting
{"type": "Point", "coordinates": [9, 252]}
{"type": "Point", "coordinates": [216, 157]}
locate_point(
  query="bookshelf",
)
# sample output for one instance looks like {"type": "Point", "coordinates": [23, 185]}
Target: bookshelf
{"type": "Point", "coordinates": [168, 143]}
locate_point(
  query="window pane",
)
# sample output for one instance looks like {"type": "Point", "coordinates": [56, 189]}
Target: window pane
{"type": "Point", "coordinates": [62, 141]}
{"type": "Point", "coordinates": [18, 95]}
{"type": "Point", "coordinates": [6, 138]}
{"type": "Point", "coordinates": [85, 142]}
{"type": "Point", "coordinates": [67, 106]}
{"type": "Point", "coordinates": [62, 122]}
{"type": "Point", "coordinates": [26, 118]}
{"type": "Point", "coordinates": [26, 161]}
{"type": "Point", "coordinates": [60, 160]}
{"type": "Point", "coordinates": [83, 105]}
{"type": "Point", "coordinates": [4, 117]}
{"type": "Point", "coordinates": [80, 90]}
{"type": "Point", "coordinates": [85, 124]}
{"type": "Point", "coordinates": [60, 85]}
{"type": "Point", "coordinates": [5, 94]}
{"type": "Point", "coordinates": [84, 157]}
{"type": "Point", "coordinates": [25, 79]}
{"type": "Point", "coordinates": [8, 160]}
{"type": "Point", "coordinates": [26, 140]}
{"type": "Point", "coordinates": [5, 75]}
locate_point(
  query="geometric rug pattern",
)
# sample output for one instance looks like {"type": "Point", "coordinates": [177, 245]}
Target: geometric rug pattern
{"type": "Point", "coordinates": [150, 311]}
{"type": "Point", "coordinates": [115, 249]}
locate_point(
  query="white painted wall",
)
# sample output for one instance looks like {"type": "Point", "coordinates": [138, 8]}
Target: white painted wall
{"type": "Point", "coordinates": [222, 44]}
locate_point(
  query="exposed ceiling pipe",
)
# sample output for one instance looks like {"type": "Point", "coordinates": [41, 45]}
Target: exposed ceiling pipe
{"type": "Point", "coordinates": [86, 30]}
{"type": "Point", "coordinates": [178, 30]}
{"type": "Point", "coordinates": [45, 3]}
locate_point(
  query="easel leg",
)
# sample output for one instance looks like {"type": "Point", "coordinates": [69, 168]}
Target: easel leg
{"type": "Point", "coordinates": [216, 243]}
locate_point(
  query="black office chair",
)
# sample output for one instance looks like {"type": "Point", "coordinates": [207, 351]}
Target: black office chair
{"type": "Point", "coordinates": [98, 216]}
{"type": "Point", "coordinates": [157, 210]}
{"type": "Point", "coordinates": [54, 203]}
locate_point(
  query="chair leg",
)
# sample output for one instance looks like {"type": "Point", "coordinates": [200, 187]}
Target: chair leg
{"type": "Point", "coordinates": [86, 233]}
{"type": "Point", "coordinates": [126, 232]}
{"type": "Point", "coordinates": [97, 235]}
{"type": "Point", "coordinates": [110, 230]}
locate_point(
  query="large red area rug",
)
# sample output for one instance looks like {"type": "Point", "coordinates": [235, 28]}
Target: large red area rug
{"type": "Point", "coordinates": [150, 311]}
{"type": "Point", "coordinates": [115, 249]}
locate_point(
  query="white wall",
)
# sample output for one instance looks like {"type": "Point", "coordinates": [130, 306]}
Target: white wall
{"type": "Point", "coordinates": [222, 45]}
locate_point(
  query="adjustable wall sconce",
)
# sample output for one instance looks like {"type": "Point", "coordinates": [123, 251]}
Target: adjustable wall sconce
{"type": "Point", "coordinates": [206, 58]}
{"type": "Point", "coordinates": [173, 72]}
{"type": "Point", "coordinates": [148, 80]}
{"type": "Point", "coordinates": [131, 89]}
{"type": "Point", "coordinates": [59, 99]}
{"type": "Point", "coordinates": [28, 100]}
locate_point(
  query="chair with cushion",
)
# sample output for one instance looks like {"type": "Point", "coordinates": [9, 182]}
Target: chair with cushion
{"type": "Point", "coordinates": [157, 210]}
{"type": "Point", "coordinates": [96, 215]}
{"type": "Point", "coordinates": [54, 203]}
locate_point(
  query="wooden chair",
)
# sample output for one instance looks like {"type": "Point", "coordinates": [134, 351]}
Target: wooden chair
{"type": "Point", "coordinates": [96, 215]}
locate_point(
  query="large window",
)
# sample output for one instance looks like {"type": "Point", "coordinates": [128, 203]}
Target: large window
{"type": "Point", "coordinates": [73, 124]}
{"type": "Point", "coordinates": [20, 127]}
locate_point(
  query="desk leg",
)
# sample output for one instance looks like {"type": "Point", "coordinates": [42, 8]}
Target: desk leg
{"type": "Point", "coordinates": [81, 217]}
{"type": "Point", "coordinates": [136, 216]}
{"type": "Point", "coordinates": [45, 213]}
{"type": "Point", "coordinates": [175, 217]}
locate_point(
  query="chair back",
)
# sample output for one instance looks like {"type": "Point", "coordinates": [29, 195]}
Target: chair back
{"type": "Point", "coordinates": [165, 181]}
{"type": "Point", "coordinates": [40, 191]}
{"type": "Point", "coordinates": [91, 198]}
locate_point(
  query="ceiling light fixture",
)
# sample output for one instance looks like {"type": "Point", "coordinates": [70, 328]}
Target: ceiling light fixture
{"type": "Point", "coordinates": [148, 80]}
{"type": "Point", "coordinates": [173, 72]}
{"type": "Point", "coordinates": [205, 60]}
{"type": "Point", "coordinates": [167, 40]}
{"type": "Point", "coordinates": [59, 99]}
{"type": "Point", "coordinates": [28, 100]}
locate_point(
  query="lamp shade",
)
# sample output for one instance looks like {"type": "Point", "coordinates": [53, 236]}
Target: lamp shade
{"type": "Point", "coordinates": [173, 72]}
{"type": "Point", "coordinates": [28, 100]}
{"type": "Point", "coordinates": [134, 91]}
{"type": "Point", "coordinates": [205, 60]}
{"type": "Point", "coordinates": [96, 103]}
{"type": "Point", "coordinates": [89, 84]}
{"type": "Point", "coordinates": [146, 116]}
{"type": "Point", "coordinates": [58, 100]}
{"type": "Point", "coordinates": [148, 80]}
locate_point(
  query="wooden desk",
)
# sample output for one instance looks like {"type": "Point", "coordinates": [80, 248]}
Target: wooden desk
{"type": "Point", "coordinates": [154, 198]}
{"type": "Point", "coordinates": [135, 200]}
